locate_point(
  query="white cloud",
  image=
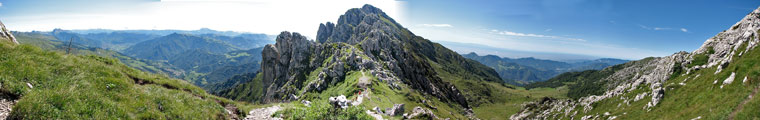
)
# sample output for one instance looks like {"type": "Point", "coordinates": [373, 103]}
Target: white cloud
{"type": "Point", "coordinates": [510, 33]}
{"type": "Point", "coordinates": [1, 4]}
{"type": "Point", "coordinates": [659, 28]}
{"type": "Point", "coordinates": [662, 28]}
{"type": "Point", "coordinates": [547, 30]}
{"type": "Point", "coordinates": [436, 25]}
{"type": "Point", "coordinates": [491, 37]}
{"type": "Point", "coordinates": [644, 27]}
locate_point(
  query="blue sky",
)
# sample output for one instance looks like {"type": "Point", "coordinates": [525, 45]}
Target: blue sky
{"type": "Point", "coordinates": [629, 29]}
{"type": "Point", "coordinates": [600, 28]}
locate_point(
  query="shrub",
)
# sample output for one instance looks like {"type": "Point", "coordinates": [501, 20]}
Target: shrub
{"type": "Point", "coordinates": [321, 110]}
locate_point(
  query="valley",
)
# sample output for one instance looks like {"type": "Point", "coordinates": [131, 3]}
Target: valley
{"type": "Point", "coordinates": [366, 65]}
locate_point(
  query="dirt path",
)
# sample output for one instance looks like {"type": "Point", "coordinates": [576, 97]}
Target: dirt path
{"type": "Point", "coordinates": [363, 83]}
{"type": "Point", "coordinates": [263, 113]}
{"type": "Point", "coordinates": [741, 106]}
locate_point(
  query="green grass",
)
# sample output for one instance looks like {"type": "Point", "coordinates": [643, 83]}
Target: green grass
{"type": "Point", "coordinates": [84, 87]}
{"type": "Point", "coordinates": [323, 111]}
{"type": "Point", "coordinates": [495, 101]}
{"type": "Point", "coordinates": [698, 98]}
{"type": "Point", "coordinates": [701, 59]}
{"type": "Point", "coordinates": [50, 43]}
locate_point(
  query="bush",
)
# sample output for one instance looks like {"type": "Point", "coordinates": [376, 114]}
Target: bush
{"type": "Point", "coordinates": [321, 110]}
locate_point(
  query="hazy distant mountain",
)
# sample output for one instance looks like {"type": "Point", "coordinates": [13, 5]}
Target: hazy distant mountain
{"type": "Point", "coordinates": [121, 39]}
{"type": "Point", "coordinates": [464, 48]}
{"type": "Point", "coordinates": [161, 32]}
{"type": "Point", "coordinates": [201, 56]}
{"type": "Point", "coordinates": [243, 41]}
{"type": "Point", "coordinates": [111, 40]}
{"type": "Point", "coordinates": [165, 47]}
{"type": "Point", "coordinates": [527, 70]}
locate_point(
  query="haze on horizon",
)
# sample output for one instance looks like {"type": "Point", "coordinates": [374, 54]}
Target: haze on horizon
{"type": "Point", "coordinates": [571, 29]}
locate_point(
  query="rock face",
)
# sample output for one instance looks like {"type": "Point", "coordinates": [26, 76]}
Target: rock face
{"type": "Point", "coordinates": [6, 34]}
{"type": "Point", "coordinates": [325, 30]}
{"type": "Point", "coordinates": [420, 113]}
{"type": "Point", "coordinates": [283, 65]}
{"type": "Point", "coordinates": [364, 39]}
{"type": "Point", "coordinates": [652, 73]}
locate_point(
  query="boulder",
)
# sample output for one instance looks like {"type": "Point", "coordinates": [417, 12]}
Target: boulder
{"type": "Point", "coordinates": [377, 110]}
{"type": "Point", "coordinates": [397, 109]}
{"type": "Point", "coordinates": [420, 113]}
{"type": "Point", "coordinates": [339, 102]}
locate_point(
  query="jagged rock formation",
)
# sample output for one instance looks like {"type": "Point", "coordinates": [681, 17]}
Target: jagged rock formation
{"type": "Point", "coordinates": [282, 64]}
{"type": "Point", "coordinates": [364, 39]}
{"type": "Point", "coordinates": [6, 34]}
{"type": "Point", "coordinates": [652, 73]}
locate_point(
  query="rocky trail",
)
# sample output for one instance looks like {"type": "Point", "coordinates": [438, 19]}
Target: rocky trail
{"type": "Point", "coordinates": [741, 106]}
{"type": "Point", "coordinates": [263, 113]}
{"type": "Point", "coordinates": [364, 81]}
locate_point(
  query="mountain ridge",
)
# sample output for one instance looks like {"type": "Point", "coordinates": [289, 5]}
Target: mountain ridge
{"type": "Point", "coordinates": [522, 71]}
{"type": "Point", "coordinates": [167, 46]}
{"type": "Point", "coordinates": [365, 41]}
{"type": "Point", "coordinates": [683, 85]}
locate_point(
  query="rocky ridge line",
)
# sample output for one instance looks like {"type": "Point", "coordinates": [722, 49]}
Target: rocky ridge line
{"type": "Point", "coordinates": [655, 71]}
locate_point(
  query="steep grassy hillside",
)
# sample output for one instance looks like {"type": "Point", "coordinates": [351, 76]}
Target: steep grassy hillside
{"type": "Point", "coordinates": [54, 85]}
{"type": "Point", "coordinates": [50, 43]}
{"type": "Point", "coordinates": [697, 94]}
{"type": "Point", "coordinates": [716, 81]}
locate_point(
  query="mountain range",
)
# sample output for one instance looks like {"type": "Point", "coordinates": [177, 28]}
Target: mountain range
{"type": "Point", "coordinates": [364, 66]}
{"type": "Point", "coordinates": [523, 71]}
{"type": "Point", "coordinates": [200, 57]}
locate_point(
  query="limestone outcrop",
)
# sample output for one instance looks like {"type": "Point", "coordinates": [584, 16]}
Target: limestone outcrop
{"type": "Point", "coordinates": [6, 34]}
{"type": "Point", "coordinates": [652, 73]}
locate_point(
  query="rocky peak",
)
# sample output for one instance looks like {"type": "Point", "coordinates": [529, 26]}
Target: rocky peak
{"type": "Point", "coordinates": [325, 30]}
{"type": "Point", "coordinates": [367, 19]}
{"type": "Point", "coordinates": [6, 34]}
{"type": "Point", "coordinates": [283, 64]}
{"type": "Point", "coordinates": [364, 39]}
{"type": "Point", "coordinates": [723, 46]}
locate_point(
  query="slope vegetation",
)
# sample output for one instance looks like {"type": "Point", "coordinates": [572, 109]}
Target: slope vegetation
{"type": "Point", "coordinates": [55, 85]}
{"type": "Point", "coordinates": [717, 81]}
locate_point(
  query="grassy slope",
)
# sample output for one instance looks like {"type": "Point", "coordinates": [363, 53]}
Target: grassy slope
{"type": "Point", "coordinates": [78, 87]}
{"type": "Point", "coordinates": [493, 100]}
{"type": "Point", "coordinates": [699, 97]}
{"type": "Point", "coordinates": [47, 42]}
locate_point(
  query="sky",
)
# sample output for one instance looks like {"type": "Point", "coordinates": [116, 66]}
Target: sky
{"type": "Point", "coordinates": [623, 29]}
